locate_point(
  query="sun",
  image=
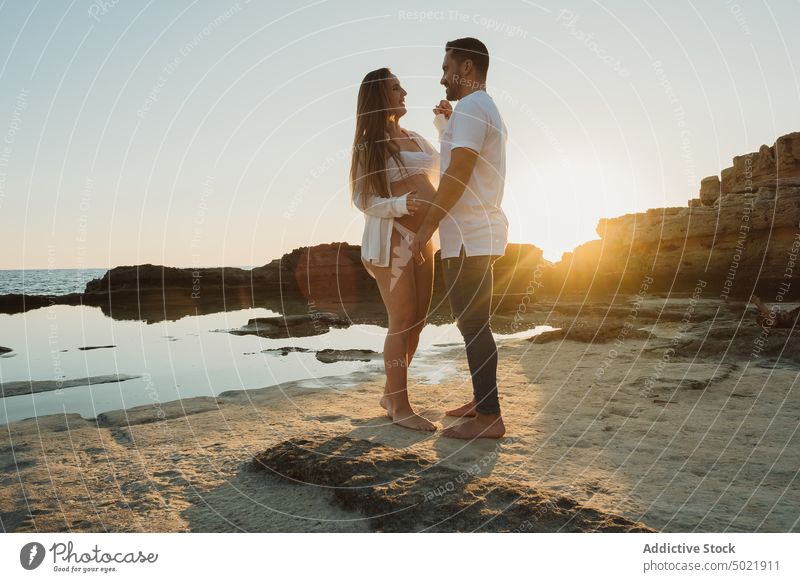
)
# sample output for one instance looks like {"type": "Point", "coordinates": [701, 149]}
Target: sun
{"type": "Point", "coordinates": [557, 204]}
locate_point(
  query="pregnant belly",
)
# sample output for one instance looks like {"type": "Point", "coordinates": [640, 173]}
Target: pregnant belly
{"type": "Point", "coordinates": [425, 193]}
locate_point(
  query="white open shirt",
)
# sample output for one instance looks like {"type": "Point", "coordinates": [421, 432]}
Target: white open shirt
{"type": "Point", "coordinates": [380, 212]}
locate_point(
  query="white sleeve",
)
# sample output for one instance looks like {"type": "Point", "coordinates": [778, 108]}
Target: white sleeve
{"type": "Point", "coordinates": [468, 125]}
{"type": "Point", "coordinates": [440, 122]}
{"type": "Point", "coordinates": [381, 207]}
{"type": "Point", "coordinates": [376, 205]}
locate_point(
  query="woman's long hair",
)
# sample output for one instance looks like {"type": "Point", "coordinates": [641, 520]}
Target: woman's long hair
{"type": "Point", "coordinates": [371, 149]}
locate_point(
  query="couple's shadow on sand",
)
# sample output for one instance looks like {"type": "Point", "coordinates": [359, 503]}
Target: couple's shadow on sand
{"type": "Point", "coordinates": [381, 477]}
{"type": "Point", "coordinates": [376, 477]}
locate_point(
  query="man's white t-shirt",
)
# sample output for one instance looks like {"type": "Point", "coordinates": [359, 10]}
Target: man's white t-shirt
{"type": "Point", "coordinates": [476, 220]}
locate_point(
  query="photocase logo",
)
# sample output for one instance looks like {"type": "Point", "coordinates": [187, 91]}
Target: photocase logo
{"type": "Point", "coordinates": [31, 555]}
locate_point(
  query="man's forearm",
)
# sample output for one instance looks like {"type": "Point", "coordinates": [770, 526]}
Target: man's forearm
{"type": "Point", "coordinates": [451, 187]}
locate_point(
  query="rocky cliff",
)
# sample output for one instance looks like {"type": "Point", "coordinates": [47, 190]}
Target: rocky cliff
{"type": "Point", "coordinates": [742, 235]}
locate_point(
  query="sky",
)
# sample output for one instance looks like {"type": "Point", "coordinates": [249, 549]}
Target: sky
{"type": "Point", "coordinates": [198, 133]}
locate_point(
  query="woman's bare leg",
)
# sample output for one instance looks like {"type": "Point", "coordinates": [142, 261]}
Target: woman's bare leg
{"type": "Point", "coordinates": [423, 279]}
{"type": "Point", "coordinates": [397, 286]}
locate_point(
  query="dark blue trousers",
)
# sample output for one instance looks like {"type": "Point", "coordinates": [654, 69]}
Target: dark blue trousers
{"type": "Point", "coordinates": [468, 281]}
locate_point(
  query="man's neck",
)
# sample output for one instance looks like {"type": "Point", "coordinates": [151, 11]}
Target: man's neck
{"type": "Point", "coordinates": [472, 87]}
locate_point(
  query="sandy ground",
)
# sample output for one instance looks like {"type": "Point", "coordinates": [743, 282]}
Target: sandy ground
{"type": "Point", "coordinates": [680, 444]}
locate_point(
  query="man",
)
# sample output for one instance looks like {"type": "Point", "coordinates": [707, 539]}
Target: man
{"type": "Point", "coordinates": [473, 229]}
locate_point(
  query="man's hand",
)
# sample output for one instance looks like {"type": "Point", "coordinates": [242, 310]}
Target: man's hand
{"type": "Point", "coordinates": [444, 108]}
{"type": "Point", "coordinates": [413, 203]}
{"type": "Point", "coordinates": [418, 245]}
{"type": "Point", "coordinates": [451, 187]}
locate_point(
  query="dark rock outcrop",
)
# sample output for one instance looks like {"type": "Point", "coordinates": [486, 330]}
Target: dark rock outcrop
{"type": "Point", "coordinates": [735, 341]}
{"type": "Point", "coordinates": [589, 334]}
{"type": "Point", "coordinates": [292, 325]}
{"type": "Point", "coordinates": [775, 317]}
{"type": "Point", "coordinates": [285, 350]}
{"type": "Point", "coordinates": [148, 277]}
{"type": "Point", "coordinates": [400, 491]}
{"type": "Point", "coordinates": [330, 356]}
{"type": "Point", "coordinates": [155, 412]}
{"type": "Point", "coordinates": [8, 389]}
{"type": "Point", "coordinates": [322, 278]}
{"type": "Point", "coordinates": [87, 348]}
{"type": "Point", "coordinates": [299, 282]}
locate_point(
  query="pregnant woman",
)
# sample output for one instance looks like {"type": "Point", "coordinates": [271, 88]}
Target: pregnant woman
{"type": "Point", "coordinates": [393, 174]}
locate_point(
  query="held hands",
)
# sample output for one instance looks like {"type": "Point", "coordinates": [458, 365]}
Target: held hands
{"type": "Point", "coordinates": [413, 203]}
{"type": "Point", "coordinates": [421, 239]}
{"type": "Point", "coordinates": [444, 108]}
{"type": "Point", "coordinates": [418, 245]}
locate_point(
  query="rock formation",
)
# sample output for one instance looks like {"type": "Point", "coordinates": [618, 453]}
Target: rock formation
{"type": "Point", "coordinates": [292, 325]}
{"type": "Point", "coordinates": [771, 168]}
{"type": "Point", "coordinates": [8, 389]}
{"type": "Point", "coordinates": [742, 235]}
{"type": "Point", "coordinates": [308, 280]}
{"type": "Point", "coordinates": [775, 317]}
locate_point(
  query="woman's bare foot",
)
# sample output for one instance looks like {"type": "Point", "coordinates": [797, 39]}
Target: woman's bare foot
{"type": "Point", "coordinates": [404, 415]}
{"type": "Point", "coordinates": [386, 399]}
{"type": "Point", "coordinates": [410, 419]}
{"type": "Point", "coordinates": [466, 410]}
{"type": "Point", "coordinates": [483, 426]}
{"type": "Point", "coordinates": [386, 402]}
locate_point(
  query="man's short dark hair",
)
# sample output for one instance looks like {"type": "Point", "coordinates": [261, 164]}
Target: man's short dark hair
{"type": "Point", "coordinates": [470, 48]}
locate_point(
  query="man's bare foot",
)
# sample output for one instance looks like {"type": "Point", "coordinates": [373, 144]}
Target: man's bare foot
{"type": "Point", "coordinates": [466, 410]}
{"type": "Point", "coordinates": [483, 426]}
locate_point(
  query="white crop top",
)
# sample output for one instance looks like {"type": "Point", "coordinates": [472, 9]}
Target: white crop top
{"type": "Point", "coordinates": [416, 162]}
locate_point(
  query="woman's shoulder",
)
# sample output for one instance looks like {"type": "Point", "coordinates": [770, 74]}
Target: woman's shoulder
{"type": "Point", "coordinates": [414, 133]}
{"type": "Point", "coordinates": [428, 145]}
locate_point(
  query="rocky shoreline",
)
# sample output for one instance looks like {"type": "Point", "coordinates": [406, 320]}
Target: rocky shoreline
{"type": "Point", "coordinates": [641, 431]}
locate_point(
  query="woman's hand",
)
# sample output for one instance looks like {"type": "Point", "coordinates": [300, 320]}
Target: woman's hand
{"type": "Point", "coordinates": [444, 108]}
{"type": "Point", "coordinates": [413, 203]}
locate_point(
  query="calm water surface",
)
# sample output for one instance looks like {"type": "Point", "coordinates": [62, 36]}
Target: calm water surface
{"type": "Point", "coordinates": [193, 356]}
